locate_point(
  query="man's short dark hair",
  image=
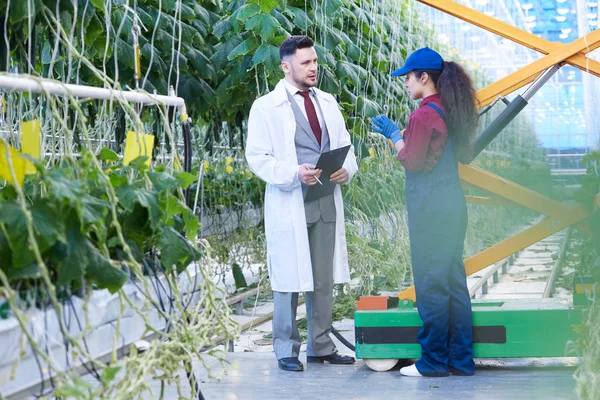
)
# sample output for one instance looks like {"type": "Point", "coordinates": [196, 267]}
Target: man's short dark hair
{"type": "Point", "coordinates": [293, 43]}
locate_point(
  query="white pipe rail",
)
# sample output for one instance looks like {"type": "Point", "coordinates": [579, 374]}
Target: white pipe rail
{"type": "Point", "coordinates": [27, 83]}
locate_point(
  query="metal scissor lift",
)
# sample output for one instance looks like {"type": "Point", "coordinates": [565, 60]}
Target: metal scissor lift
{"type": "Point", "coordinates": [386, 327]}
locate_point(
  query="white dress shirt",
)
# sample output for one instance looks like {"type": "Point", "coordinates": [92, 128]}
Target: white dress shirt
{"type": "Point", "coordinates": [293, 90]}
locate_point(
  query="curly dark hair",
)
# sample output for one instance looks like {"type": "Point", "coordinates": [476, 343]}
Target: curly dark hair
{"type": "Point", "coordinates": [460, 104]}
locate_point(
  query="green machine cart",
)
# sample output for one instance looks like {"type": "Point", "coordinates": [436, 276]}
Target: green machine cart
{"type": "Point", "coordinates": [501, 329]}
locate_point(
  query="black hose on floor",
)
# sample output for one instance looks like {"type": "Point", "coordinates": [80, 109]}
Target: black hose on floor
{"type": "Point", "coordinates": [342, 339]}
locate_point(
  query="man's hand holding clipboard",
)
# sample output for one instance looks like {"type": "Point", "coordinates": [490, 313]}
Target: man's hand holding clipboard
{"type": "Point", "coordinates": [330, 163]}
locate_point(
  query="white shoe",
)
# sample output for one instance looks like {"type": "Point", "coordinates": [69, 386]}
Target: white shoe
{"type": "Point", "coordinates": [411, 370]}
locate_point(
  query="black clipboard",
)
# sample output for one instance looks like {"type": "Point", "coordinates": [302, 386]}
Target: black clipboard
{"type": "Point", "coordinates": [329, 162]}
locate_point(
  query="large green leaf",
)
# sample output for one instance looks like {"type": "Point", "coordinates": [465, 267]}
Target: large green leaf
{"type": "Point", "coordinates": [29, 271]}
{"type": "Point", "coordinates": [331, 6]}
{"type": "Point", "coordinates": [109, 374]}
{"type": "Point", "coordinates": [187, 12]}
{"type": "Point", "coordinates": [190, 88]}
{"type": "Point", "coordinates": [72, 267]}
{"type": "Point", "coordinates": [247, 11]}
{"type": "Point", "coordinates": [325, 56]}
{"type": "Point", "coordinates": [148, 200]}
{"type": "Point", "coordinates": [169, 5]}
{"type": "Point", "coordinates": [346, 70]}
{"type": "Point", "coordinates": [284, 22]}
{"type": "Point", "coordinates": [328, 82]}
{"type": "Point", "coordinates": [173, 206]}
{"type": "Point", "coordinates": [127, 196]}
{"type": "Point", "coordinates": [301, 19]}
{"type": "Point", "coordinates": [63, 187]}
{"type": "Point", "coordinates": [94, 210]}
{"type": "Point", "coordinates": [222, 28]}
{"type": "Point", "coordinates": [266, 54]}
{"type": "Point", "coordinates": [175, 251]}
{"type": "Point", "coordinates": [107, 154]}
{"type": "Point", "coordinates": [5, 251]}
{"type": "Point", "coordinates": [126, 54]}
{"type": "Point", "coordinates": [139, 163]}
{"type": "Point", "coordinates": [367, 108]}
{"type": "Point", "coordinates": [219, 58]}
{"type": "Point", "coordinates": [266, 5]}
{"type": "Point", "coordinates": [197, 59]}
{"type": "Point", "coordinates": [247, 46]}
{"type": "Point", "coordinates": [202, 14]}
{"type": "Point", "coordinates": [264, 24]}
{"type": "Point", "coordinates": [192, 224]}
{"type": "Point", "coordinates": [102, 271]}
{"type": "Point", "coordinates": [48, 226]}
{"type": "Point", "coordinates": [19, 10]}
{"type": "Point", "coordinates": [99, 4]}
{"type": "Point", "coordinates": [185, 179]}
{"type": "Point", "coordinates": [46, 53]}
{"type": "Point", "coordinates": [48, 229]}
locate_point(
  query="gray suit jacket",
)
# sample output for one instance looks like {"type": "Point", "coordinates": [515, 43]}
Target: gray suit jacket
{"type": "Point", "coordinates": [309, 151]}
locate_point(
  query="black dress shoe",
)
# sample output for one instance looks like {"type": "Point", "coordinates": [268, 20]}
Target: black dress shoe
{"type": "Point", "coordinates": [333, 358]}
{"type": "Point", "coordinates": [290, 364]}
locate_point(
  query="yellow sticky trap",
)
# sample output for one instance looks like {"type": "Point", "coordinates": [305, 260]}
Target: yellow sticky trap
{"type": "Point", "coordinates": [17, 162]}
{"type": "Point", "coordinates": [31, 143]}
{"type": "Point", "coordinates": [136, 145]}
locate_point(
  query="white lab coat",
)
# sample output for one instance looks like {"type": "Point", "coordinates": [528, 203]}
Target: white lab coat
{"type": "Point", "coordinates": [271, 155]}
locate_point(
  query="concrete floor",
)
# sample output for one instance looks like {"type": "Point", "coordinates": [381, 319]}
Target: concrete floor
{"type": "Point", "coordinates": [253, 374]}
{"type": "Point", "coordinates": [256, 376]}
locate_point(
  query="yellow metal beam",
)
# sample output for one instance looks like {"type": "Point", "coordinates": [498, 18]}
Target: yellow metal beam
{"type": "Point", "coordinates": [520, 241]}
{"type": "Point", "coordinates": [560, 217]}
{"type": "Point", "coordinates": [516, 194]}
{"type": "Point", "coordinates": [520, 78]}
{"type": "Point", "coordinates": [509, 190]}
{"type": "Point", "coordinates": [511, 32]}
{"type": "Point", "coordinates": [490, 201]}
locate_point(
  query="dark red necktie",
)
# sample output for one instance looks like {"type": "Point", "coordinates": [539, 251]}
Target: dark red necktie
{"type": "Point", "coordinates": [311, 113]}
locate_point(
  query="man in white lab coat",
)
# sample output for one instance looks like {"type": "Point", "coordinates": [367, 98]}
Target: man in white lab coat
{"type": "Point", "coordinates": [288, 129]}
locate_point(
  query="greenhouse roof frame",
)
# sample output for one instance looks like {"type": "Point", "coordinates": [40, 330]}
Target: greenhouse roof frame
{"type": "Point", "coordinates": [573, 53]}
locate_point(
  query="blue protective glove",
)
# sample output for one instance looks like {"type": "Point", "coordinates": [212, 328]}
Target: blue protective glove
{"type": "Point", "coordinates": [382, 124]}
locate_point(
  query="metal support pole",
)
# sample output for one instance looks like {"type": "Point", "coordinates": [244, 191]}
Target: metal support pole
{"type": "Point", "coordinates": [25, 83]}
{"type": "Point", "coordinates": [549, 289]}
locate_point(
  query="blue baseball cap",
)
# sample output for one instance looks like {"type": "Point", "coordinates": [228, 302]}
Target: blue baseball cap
{"type": "Point", "coordinates": [422, 59]}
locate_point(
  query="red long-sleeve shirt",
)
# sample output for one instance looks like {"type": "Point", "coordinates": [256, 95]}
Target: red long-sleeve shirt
{"type": "Point", "coordinates": [425, 137]}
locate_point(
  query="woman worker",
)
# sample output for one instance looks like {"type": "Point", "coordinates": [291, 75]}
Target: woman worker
{"type": "Point", "coordinates": [438, 135]}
